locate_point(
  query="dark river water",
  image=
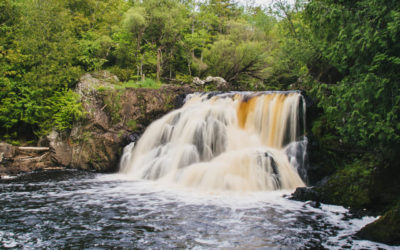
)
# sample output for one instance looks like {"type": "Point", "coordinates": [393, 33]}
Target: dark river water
{"type": "Point", "coordinates": [77, 210]}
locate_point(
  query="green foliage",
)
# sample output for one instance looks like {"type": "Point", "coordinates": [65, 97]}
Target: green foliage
{"type": "Point", "coordinates": [386, 229]}
{"type": "Point", "coordinates": [39, 108]}
{"type": "Point", "coordinates": [239, 55]}
{"type": "Point", "coordinates": [113, 105]}
{"type": "Point", "coordinates": [67, 109]}
{"type": "Point", "coordinates": [352, 185]}
{"type": "Point", "coordinates": [345, 53]}
{"type": "Point", "coordinates": [181, 78]}
{"type": "Point", "coordinates": [147, 84]}
{"type": "Point", "coordinates": [132, 125]}
{"type": "Point", "coordinates": [45, 46]}
{"type": "Point", "coordinates": [361, 39]}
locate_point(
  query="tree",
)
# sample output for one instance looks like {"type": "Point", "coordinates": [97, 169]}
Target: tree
{"type": "Point", "coordinates": [38, 66]}
{"type": "Point", "coordinates": [239, 55]}
{"type": "Point", "coordinates": [362, 40]}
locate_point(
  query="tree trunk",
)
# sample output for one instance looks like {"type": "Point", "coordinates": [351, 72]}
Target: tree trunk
{"type": "Point", "coordinates": [158, 64]}
{"type": "Point", "coordinates": [141, 69]}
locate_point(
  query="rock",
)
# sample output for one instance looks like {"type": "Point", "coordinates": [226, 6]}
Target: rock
{"type": "Point", "coordinates": [305, 194]}
{"type": "Point", "coordinates": [89, 84]}
{"type": "Point", "coordinates": [386, 229]}
{"type": "Point", "coordinates": [89, 88]}
{"type": "Point", "coordinates": [6, 151]}
{"type": "Point", "coordinates": [197, 81]}
{"type": "Point", "coordinates": [134, 137]}
{"type": "Point", "coordinates": [115, 117]}
{"type": "Point", "coordinates": [218, 82]}
{"type": "Point", "coordinates": [60, 151]}
{"type": "Point", "coordinates": [314, 204]}
{"type": "Point", "coordinates": [14, 160]}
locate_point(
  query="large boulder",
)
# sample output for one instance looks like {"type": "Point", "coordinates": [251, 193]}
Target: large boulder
{"type": "Point", "coordinates": [386, 229]}
{"type": "Point", "coordinates": [89, 89]}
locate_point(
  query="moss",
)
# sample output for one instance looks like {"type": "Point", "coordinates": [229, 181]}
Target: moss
{"type": "Point", "coordinates": [146, 84]}
{"type": "Point", "coordinates": [386, 229]}
{"type": "Point", "coordinates": [85, 137]}
{"type": "Point", "coordinates": [112, 101]}
{"type": "Point", "coordinates": [350, 186]}
{"type": "Point", "coordinates": [102, 88]}
{"type": "Point", "coordinates": [169, 102]}
{"type": "Point", "coordinates": [142, 103]}
{"type": "Point", "coordinates": [132, 125]}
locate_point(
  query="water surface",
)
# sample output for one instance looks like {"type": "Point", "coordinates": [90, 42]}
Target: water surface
{"type": "Point", "coordinates": [72, 209]}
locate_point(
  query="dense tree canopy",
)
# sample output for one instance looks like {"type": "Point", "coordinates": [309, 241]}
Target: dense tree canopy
{"type": "Point", "coordinates": [345, 53]}
{"type": "Point", "coordinates": [361, 40]}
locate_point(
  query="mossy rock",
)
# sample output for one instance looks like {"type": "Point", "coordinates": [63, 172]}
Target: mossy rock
{"type": "Point", "coordinates": [386, 229]}
{"type": "Point", "coordinates": [350, 186]}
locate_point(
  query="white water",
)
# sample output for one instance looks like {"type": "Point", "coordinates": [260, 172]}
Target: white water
{"type": "Point", "coordinates": [233, 141]}
{"type": "Point", "coordinates": [77, 210]}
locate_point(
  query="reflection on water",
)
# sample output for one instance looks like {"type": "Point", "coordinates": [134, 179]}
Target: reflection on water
{"type": "Point", "coordinates": [71, 209]}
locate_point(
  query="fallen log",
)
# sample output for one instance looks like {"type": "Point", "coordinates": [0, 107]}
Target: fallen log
{"type": "Point", "coordinates": [34, 149]}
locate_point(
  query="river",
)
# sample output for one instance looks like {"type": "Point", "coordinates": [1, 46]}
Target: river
{"type": "Point", "coordinates": [76, 210]}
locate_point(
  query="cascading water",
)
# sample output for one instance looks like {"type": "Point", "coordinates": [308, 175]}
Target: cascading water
{"type": "Point", "coordinates": [239, 141]}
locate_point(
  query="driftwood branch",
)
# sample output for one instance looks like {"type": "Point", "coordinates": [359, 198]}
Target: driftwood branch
{"type": "Point", "coordinates": [37, 159]}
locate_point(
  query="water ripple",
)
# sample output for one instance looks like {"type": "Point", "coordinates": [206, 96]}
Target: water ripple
{"type": "Point", "coordinates": [72, 209]}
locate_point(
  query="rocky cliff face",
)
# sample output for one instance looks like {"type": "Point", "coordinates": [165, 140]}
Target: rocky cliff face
{"type": "Point", "coordinates": [115, 117]}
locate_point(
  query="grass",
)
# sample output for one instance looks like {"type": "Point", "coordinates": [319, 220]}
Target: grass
{"type": "Point", "coordinates": [148, 84]}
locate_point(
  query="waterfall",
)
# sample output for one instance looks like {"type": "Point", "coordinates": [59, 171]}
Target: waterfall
{"type": "Point", "coordinates": [238, 141]}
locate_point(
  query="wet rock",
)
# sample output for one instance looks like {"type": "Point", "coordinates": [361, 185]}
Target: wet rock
{"type": "Point", "coordinates": [386, 229]}
{"type": "Point", "coordinates": [305, 194]}
{"type": "Point", "coordinates": [314, 204]}
{"type": "Point", "coordinates": [134, 137]}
